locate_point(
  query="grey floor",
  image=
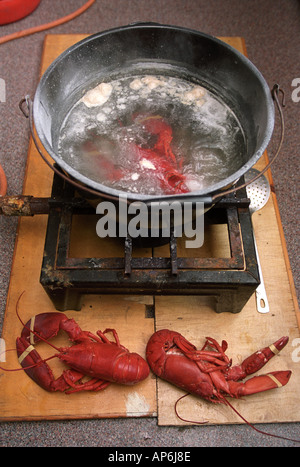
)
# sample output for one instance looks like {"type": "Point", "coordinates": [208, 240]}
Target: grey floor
{"type": "Point", "coordinates": [271, 31]}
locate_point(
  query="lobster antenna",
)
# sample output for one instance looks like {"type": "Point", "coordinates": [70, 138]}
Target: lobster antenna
{"type": "Point", "coordinates": [31, 330]}
{"type": "Point", "coordinates": [26, 367]}
{"type": "Point", "coordinates": [4, 351]}
{"type": "Point", "coordinates": [244, 419]}
{"type": "Point", "coordinates": [184, 419]}
{"type": "Point", "coordinates": [256, 429]}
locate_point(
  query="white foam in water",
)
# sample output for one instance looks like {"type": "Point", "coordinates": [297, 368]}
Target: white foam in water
{"type": "Point", "coordinates": [106, 135]}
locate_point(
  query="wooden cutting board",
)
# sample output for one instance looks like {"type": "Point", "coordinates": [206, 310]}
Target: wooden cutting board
{"type": "Point", "coordinates": [21, 398]}
{"type": "Point", "coordinates": [194, 317]}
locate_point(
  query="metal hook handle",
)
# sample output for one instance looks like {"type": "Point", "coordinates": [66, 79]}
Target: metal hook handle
{"type": "Point", "coordinates": [24, 111]}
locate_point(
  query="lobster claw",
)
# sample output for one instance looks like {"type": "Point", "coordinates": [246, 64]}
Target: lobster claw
{"type": "Point", "coordinates": [36, 368]}
{"type": "Point", "coordinates": [39, 370]}
{"type": "Point", "coordinates": [272, 380]}
{"type": "Point", "coordinates": [257, 360]}
{"type": "Point", "coordinates": [44, 326]}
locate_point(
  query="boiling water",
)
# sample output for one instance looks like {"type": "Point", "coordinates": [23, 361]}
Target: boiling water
{"type": "Point", "coordinates": [100, 135]}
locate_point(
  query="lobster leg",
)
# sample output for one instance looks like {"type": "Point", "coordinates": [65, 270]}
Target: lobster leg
{"type": "Point", "coordinates": [216, 357]}
{"type": "Point", "coordinates": [256, 361]}
{"type": "Point", "coordinates": [93, 384]}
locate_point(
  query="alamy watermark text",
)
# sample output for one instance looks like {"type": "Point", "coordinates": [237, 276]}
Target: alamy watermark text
{"type": "Point", "coordinates": [156, 219]}
{"type": "Point", "coordinates": [296, 91]}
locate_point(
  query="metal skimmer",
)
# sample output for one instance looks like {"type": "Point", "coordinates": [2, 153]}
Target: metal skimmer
{"type": "Point", "coordinates": [258, 192]}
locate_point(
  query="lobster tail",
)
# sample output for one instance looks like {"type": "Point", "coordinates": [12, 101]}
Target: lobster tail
{"type": "Point", "coordinates": [166, 356]}
{"type": "Point", "coordinates": [158, 345]}
{"type": "Point", "coordinates": [130, 368]}
{"type": "Point", "coordinates": [155, 355]}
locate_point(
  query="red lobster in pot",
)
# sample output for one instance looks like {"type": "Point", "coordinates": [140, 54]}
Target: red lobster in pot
{"type": "Point", "coordinates": [208, 372]}
{"type": "Point", "coordinates": [160, 159]}
{"type": "Point", "coordinates": [157, 163]}
{"type": "Point", "coordinates": [95, 356]}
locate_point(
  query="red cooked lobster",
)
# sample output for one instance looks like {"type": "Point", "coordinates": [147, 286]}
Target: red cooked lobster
{"type": "Point", "coordinates": [160, 158]}
{"type": "Point", "coordinates": [158, 162]}
{"type": "Point", "coordinates": [208, 372]}
{"type": "Point", "coordinates": [95, 356]}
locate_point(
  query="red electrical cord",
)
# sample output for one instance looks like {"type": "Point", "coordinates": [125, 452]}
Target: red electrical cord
{"type": "Point", "coordinates": [27, 32]}
{"type": "Point", "coordinates": [3, 182]}
{"type": "Point", "coordinates": [45, 26]}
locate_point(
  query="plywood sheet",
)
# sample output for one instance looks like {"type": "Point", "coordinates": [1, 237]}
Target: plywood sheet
{"type": "Point", "coordinates": [194, 317]}
{"type": "Point", "coordinates": [245, 332]}
{"type": "Point", "coordinates": [21, 398]}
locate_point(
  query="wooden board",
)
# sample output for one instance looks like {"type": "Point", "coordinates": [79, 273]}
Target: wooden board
{"type": "Point", "coordinates": [245, 332]}
{"type": "Point", "coordinates": [21, 399]}
{"type": "Point", "coordinates": [194, 317]}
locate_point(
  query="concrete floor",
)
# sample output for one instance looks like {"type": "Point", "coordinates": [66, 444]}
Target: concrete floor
{"type": "Point", "coordinates": [271, 31]}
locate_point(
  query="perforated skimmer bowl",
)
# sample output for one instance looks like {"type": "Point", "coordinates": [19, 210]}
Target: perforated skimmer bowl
{"type": "Point", "coordinates": [258, 191]}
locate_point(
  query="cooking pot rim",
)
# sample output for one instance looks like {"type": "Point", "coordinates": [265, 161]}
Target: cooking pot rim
{"type": "Point", "coordinates": [103, 189]}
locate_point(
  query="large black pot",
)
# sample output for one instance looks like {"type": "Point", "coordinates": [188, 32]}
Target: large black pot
{"type": "Point", "coordinates": [169, 50]}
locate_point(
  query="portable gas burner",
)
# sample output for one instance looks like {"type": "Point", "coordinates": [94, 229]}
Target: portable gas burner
{"type": "Point", "coordinates": [221, 75]}
{"type": "Point", "coordinates": [231, 280]}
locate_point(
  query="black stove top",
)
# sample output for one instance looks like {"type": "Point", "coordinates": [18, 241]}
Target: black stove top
{"type": "Point", "coordinates": [231, 280]}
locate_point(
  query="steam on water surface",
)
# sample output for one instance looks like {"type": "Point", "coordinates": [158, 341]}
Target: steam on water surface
{"type": "Point", "coordinates": [100, 134]}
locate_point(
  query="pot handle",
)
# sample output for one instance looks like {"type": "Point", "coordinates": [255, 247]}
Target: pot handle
{"type": "Point", "coordinates": [275, 91]}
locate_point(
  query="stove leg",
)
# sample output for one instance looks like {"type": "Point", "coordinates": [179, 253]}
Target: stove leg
{"type": "Point", "coordinates": [233, 301]}
{"type": "Point", "coordinates": [65, 299]}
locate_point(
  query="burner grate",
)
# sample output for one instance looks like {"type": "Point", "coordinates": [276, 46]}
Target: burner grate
{"type": "Point", "coordinates": [230, 280]}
